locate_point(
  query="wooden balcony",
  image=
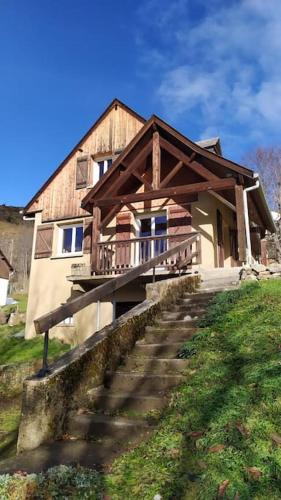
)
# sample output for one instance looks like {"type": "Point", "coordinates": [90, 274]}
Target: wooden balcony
{"type": "Point", "coordinates": [115, 257]}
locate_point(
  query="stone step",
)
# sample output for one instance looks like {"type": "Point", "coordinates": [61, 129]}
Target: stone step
{"type": "Point", "coordinates": [154, 365]}
{"type": "Point", "coordinates": [141, 383]}
{"type": "Point", "coordinates": [169, 350]}
{"type": "Point", "coordinates": [200, 296]}
{"type": "Point", "coordinates": [111, 400]}
{"type": "Point", "coordinates": [176, 323]}
{"type": "Point", "coordinates": [67, 452]}
{"type": "Point", "coordinates": [166, 335]}
{"type": "Point", "coordinates": [90, 426]}
{"type": "Point", "coordinates": [185, 314]}
{"type": "Point", "coordinates": [187, 307]}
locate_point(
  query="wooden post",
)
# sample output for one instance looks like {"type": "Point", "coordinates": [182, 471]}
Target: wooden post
{"type": "Point", "coordinates": [156, 160]}
{"type": "Point", "coordinates": [241, 230]}
{"type": "Point", "coordinates": [95, 238]}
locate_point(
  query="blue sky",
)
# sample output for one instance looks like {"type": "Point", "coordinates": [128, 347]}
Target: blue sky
{"type": "Point", "coordinates": [209, 68]}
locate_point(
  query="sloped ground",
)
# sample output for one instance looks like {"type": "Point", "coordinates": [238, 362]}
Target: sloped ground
{"type": "Point", "coordinates": [221, 435]}
{"type": "Point", "coordinates": [14, 351]}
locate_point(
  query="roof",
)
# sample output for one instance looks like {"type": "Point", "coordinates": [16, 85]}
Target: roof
{"type": "Point", "coordinates": [4, 260]}
{"type": "Point", "coordinates": [212, 144]}
{"type": "Point", "coordinates": [115, 102]}
{"type": "Point", "coordinates": [213, 158]}
{"type": "Point", "coordinates": [156, 121]}
{"type": "Point", "coordinates": [208, 148]}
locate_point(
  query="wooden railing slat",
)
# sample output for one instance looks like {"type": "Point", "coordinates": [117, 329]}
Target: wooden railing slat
{"type": "Point", "coordinates": [62, 312]}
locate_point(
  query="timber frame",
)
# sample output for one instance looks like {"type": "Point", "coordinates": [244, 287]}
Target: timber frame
{"type": "Point", "coordinates": [160, 163]}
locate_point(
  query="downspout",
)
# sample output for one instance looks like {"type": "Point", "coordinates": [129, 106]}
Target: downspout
{"type": "Point", "coordinates": [246, 216]}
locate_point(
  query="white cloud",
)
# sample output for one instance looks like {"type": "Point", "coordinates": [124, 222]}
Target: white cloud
{"type": "Point", "coordinates": [225, 64]}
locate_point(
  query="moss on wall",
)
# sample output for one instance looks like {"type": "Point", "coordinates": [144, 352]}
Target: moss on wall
{"type": "Point", "coordinates": [47, 401]}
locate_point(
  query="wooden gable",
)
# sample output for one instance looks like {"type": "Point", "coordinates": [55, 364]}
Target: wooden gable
{"type": "Point", "coordinates": [161, 163]}
{"type": "Point", "coordinates": [60, 197]}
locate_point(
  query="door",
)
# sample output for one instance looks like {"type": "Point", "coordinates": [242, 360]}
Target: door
{"type": "Point", "coordinates": [220, 241]}
{"type": "Point", "coordinates": [151, 226]}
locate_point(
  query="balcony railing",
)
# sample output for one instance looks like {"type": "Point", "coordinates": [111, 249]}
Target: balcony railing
{"type": "Point", "coordinates": [115, 257]}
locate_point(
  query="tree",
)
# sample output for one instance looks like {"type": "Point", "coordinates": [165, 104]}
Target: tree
{"type": "Point", "coordinates": [267, 162]}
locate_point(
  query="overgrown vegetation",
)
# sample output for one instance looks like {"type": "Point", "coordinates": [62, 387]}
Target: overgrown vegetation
{"type": "Point", "coordinates": [59, 482]}
{"type": "Point", "coordinates": [220, 436]}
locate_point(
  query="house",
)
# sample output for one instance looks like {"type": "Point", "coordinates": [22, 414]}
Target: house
{"type": "Point", "coordinates": [5, 272]}
{"type": "Point", "coordinates": [128, 191]}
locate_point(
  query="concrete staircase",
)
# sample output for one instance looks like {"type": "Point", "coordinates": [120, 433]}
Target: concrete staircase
{"type": "Point", "coordinates": [124, 410]}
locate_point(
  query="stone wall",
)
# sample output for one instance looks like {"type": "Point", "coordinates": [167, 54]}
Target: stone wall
{"type": "Point", "coordinates": [47, 401]}
{"type": "Point", "coordinates": [260, 272]}
{"type": "Point", "coordinates": [12, 376]}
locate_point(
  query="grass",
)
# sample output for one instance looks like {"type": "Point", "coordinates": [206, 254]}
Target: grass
{"type": "Point", "coordinates": [21, 305]}
{"type": "Point", "coordinates": [9, 423]}
{"type": "Point", "coordinates": [220, 437]}
{"type": "Point", "coordinates": [220, 434]}
{"type": "Point", "coordinates": [14, 351]}
{"type": "Point", "coordinates": [19, 350]}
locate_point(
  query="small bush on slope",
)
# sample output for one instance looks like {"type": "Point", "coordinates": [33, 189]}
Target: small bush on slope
{"type": "Point", "coordinates": [57, 483]}
{"type": "Point", "coordinates": [220, 434]}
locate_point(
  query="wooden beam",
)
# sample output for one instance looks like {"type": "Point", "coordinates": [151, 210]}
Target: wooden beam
{"type": "Point", "coordinates": [109, 216]}
{"type": "Point", "coordinates": [95, 237]}
{"type": "Point", "coordinates": [143, 180]}
{"type": "Point", "coordinates": [171, 174]}
{"type": "Point", "coordinates": [129, 170]}
{"type": "Point", "coordinates": [195, 166]}
{"type": "Point", "coordinates": [156, 160]}
{"type": "Point", "coordinates": [170, 192]}
{"type": "Point", "coordinates": [223, 200]}
{"type": "Point", "coordinates": [241, 231]}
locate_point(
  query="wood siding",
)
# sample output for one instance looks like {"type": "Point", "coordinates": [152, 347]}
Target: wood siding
{"type": "Point", "coordinates": [61, 199]}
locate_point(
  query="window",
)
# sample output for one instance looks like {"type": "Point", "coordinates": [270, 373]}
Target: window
{"type": "Point", "coordinates": [99, 168]}
{"type": "Point", "coordinates": [151, 226]}
{"type": "Point", "coordinates": [67, 321]}
{"type": "Point", "coordinates": [71, 239]}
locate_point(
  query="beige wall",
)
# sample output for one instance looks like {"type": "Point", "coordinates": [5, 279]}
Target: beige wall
{"type": "Point", "coordinates": [204, 220]}
{"type": "Point", "coordinates": [49, 286]}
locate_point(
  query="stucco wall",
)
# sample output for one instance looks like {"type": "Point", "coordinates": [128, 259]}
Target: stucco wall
{"type": "Point", "coordinates": [49, 287]}
{"type": "Point", "coordinates": [204, 220]}
{"type": "Point", "coordinates": [3, 291]}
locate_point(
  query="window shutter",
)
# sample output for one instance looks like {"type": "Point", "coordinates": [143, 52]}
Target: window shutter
{"type": "Point", "coordinates": [179, 219]}
{"type": "Point", "coordinates": [87, 236]}
{"type": "Point", "coordinates": [44, 241]}
{"type": "Point", "coordinates": [82, 172]}
{"type": "Point", "coordinates": [123, 232]}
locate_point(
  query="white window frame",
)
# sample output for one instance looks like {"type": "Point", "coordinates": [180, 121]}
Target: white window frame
{"type": "Point", "coordinates": [60, 240]}
{"type": "Point", "coordinates": [69, 321]}
{"type": "Point", "coordinates": [96, 173]}
{"type": "Point", "coordinates": [148, 215]}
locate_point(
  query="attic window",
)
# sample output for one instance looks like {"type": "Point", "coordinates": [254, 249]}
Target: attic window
{"type": "Point", "coordinates": [100, 167]}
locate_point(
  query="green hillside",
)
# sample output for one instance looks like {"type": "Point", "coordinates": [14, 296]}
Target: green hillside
{"type": "Point", "coordinates": [221, 435]}
{"type": "Point", "coordinates": [16, 243]}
